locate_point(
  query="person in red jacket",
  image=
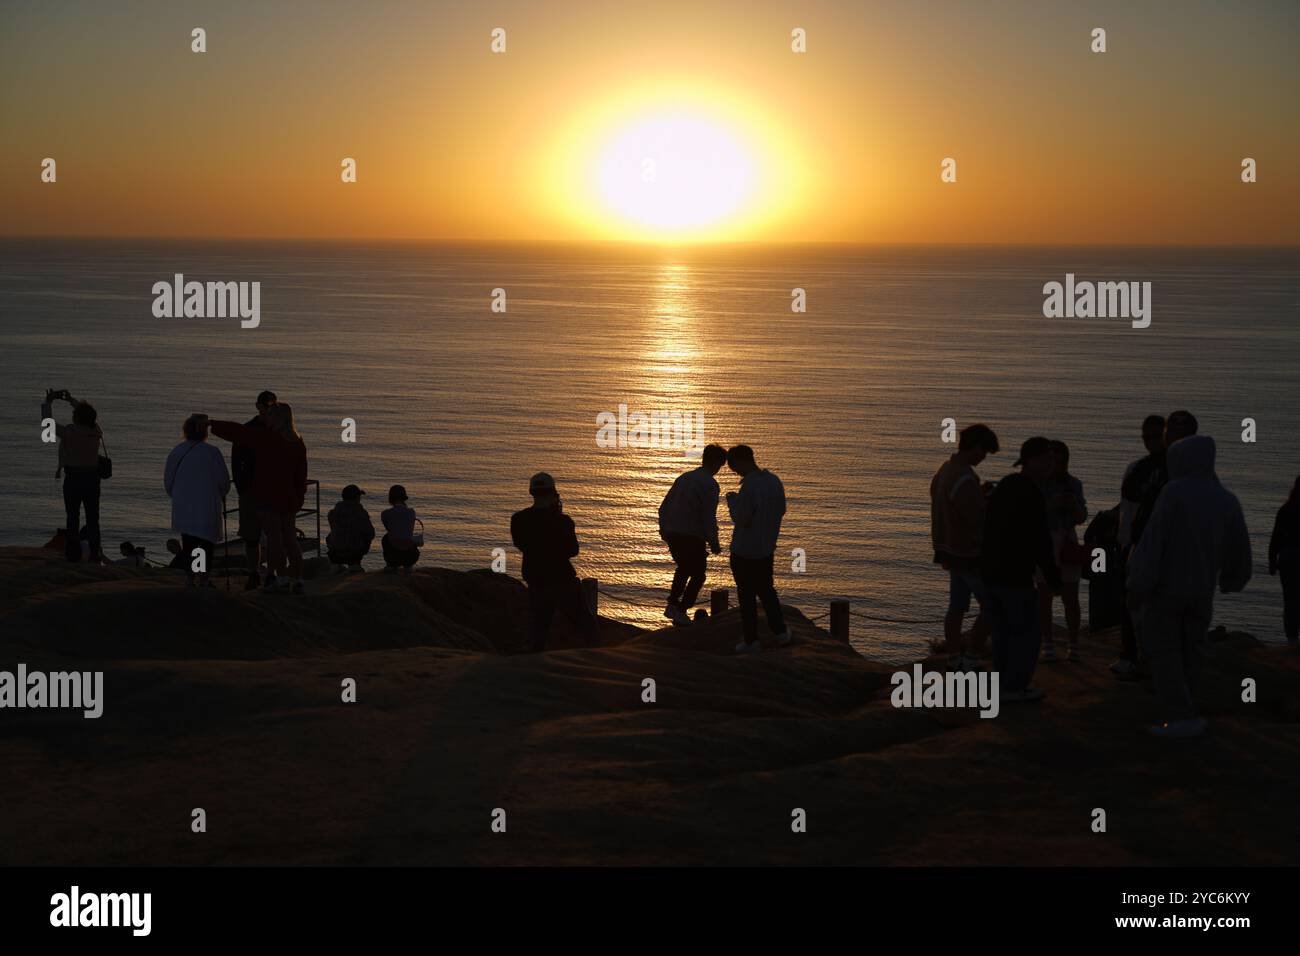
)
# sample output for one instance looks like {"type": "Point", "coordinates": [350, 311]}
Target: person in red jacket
{"type": "Point", "coordinates": [279, 488]}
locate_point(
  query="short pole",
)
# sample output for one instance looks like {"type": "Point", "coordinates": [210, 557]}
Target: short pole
{"type": "Point", "coordinates": [590, 590]}
{"type": "Point", "coordinates": [840, 619]}
{"type": "Point", "coordinates": [718, 601]}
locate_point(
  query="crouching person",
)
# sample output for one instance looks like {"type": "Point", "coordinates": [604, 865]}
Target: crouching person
{"type": "Point", "coordinates": [351, 531]}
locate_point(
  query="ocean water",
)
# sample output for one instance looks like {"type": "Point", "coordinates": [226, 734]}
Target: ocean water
{"type": "Point", "coordinates": [844, 402]}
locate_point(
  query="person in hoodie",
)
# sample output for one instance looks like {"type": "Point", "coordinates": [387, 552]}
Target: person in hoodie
{"type": "Point", "coordinates": [1284, 559]}
{"type": "Point", "coordinates": [756, 511]}
{"type": "Point", "coordinates": [1016, 541]}
{"type": "Point", "coordinates": [688, 523]}
{"type": "Point", "coordinates": [1194, 539]}
{"type": "Point", "coordinates": [547, 538]}
{"type": "Point", "coordinates": [351, 531]}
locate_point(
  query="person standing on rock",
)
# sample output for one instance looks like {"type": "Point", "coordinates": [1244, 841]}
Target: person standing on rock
{"type": "Point", "coordinates": [196, 480]}
{"type": "Point", "coordinates": [546, 537]}
{"type": "Point", "coordinates": [1016, 541]}
{"type": "Point", "coordinates": [243, 465]}
{"type": "Point", "coordinates": [1284, 559]}
{"type": "Point", "coordinates": [1194, 539]}
{"type": "Point", "coordinates": [688, 523]}
{"type": "Point", "coordinates": [756, 512]}
{"type": "Point", "coordinates": [957, 505]}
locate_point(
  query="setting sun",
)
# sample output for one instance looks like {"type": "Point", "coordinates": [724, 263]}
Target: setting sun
{"type": "Point", "coordinates": [674, 172]}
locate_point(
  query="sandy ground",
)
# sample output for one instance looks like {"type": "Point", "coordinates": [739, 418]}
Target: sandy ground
{"type": "Point", "coordinates": [232, 703]}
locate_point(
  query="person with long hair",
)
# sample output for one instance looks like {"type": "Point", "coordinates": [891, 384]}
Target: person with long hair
{"type": "Point", "coordinates": [1284, 560]}
{"type": "Point", "coordinates": [79, 444]}
{"type": "Point", "coordinates": [279, 488]}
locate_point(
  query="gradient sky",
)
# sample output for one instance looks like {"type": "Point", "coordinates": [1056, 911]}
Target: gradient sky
{"type": "Point", "coordinates": [1055, 144]}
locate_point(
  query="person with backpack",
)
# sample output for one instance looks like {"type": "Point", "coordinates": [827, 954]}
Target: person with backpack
{"type": "Point", "coordinates": [82, 471]}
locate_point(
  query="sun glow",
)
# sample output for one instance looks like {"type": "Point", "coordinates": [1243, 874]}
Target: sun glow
{"type": "Point", "coordinates": [655, 165]}
{"type": "Point", "coordinates": [674, 172]}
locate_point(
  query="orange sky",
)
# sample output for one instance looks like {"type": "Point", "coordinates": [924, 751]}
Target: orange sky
{"type": "Point", "coordinates": [1141, 144]}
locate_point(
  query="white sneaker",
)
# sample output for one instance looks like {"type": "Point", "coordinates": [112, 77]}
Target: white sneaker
{"type": "Point", "coordinates": [745, 648]}
{"type": "Point", "coordinates": [783, 638]}
{"type": "Point", "coordinates": [681, 618]}
{"type": "Point", "coordinates": [1191, 727]}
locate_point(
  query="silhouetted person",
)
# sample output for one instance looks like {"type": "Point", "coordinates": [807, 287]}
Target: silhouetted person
{"type": "Point", "coordinates": [279, 488]}
{"type": "Point", "coordinates": [178, 556]}
{"type": "Point", "coordinates": [1194, 539]}
{"type": "Point", "coordinates": [957, 506]}
{"type": "Point", "coordinates": [1066, 510]}
{"type": "Point", "coordinates": [688, 522]}
{"type": "Point", "coordinates": [1284, 559]}
{"type": "Point", "coordinates": [351, 530]}
{"type": "Point", "coordinates": [132, 557]}
{"type": "Point", "coordinates": [79, 444]}
{"type": "Point", "coordinates": [243, 466]}
{"type": "Point", "coordinates": [196, 480]}
{"type": "Point", "coordinates": [1141, 478]}
{"type": "Point", "coordinates": [399, 543]}
{"type": "Point", "coordinates": [545, 536]}
{"type": "Point", "coordinates": [1144, 486]}
{"type": "Point", "coordinates": [756, 512]}
{"type": "Point", "coordinates": [1016, 540]}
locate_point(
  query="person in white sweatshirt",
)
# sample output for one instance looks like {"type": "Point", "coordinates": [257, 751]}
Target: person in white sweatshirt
{"type": "Point", "coordinates": [196, 479]}
{"type": "Point", "coordinates": [1195, 539]}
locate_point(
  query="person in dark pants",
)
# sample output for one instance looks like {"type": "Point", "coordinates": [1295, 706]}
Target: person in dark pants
{"type": "Point", "coordinates": [79, 464]}
{"type": "Point", "coordinates": [756, 512]}
{"type": "Point", "coordinates": [1016, 540]}
{"type": "Point", "coordinates": [1142, 485]}
{"type": "Point", "coordinates": [1284, 560]}
{"type": "Point", "coordinates": [688, 522]}
{"type": "Point", "coordinates": [546, 537]}
{"type": "Point", "coordinates": [243, 462]}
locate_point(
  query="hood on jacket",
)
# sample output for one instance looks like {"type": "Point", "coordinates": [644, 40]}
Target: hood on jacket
{"type": "Point", "coordinates": [1192, 457]}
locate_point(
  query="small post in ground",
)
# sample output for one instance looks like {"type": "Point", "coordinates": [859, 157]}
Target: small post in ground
{"type": "Point", "coordinates": [840, 619]}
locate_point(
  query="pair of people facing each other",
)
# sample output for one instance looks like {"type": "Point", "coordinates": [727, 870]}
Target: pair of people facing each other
{"type": "Point", "coordinates": [352, 532]}
{"type": "Point", "coordinates": [688, 523]}
{"type": "Point", "coordinates": [196, 479]}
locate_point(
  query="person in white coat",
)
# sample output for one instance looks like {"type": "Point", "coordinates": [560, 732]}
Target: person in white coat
{"type": "Point", "coordinates": [196, 479]}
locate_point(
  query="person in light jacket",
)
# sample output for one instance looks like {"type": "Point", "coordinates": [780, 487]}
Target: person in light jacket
{"type": "Point", "coordinates": [196, 480]}
{"type": "Point", "coordinates": [1195, 539]}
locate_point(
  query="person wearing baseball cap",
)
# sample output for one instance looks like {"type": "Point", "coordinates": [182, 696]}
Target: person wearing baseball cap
{"type": "Point", "coordinates": [351, 531]}
{"type": "Point", "coordinates": [243, 462]}
{"type": "Point", "coordinates": [1016, 540]}
{"type": "Point", "coordinates": [546, 537]}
